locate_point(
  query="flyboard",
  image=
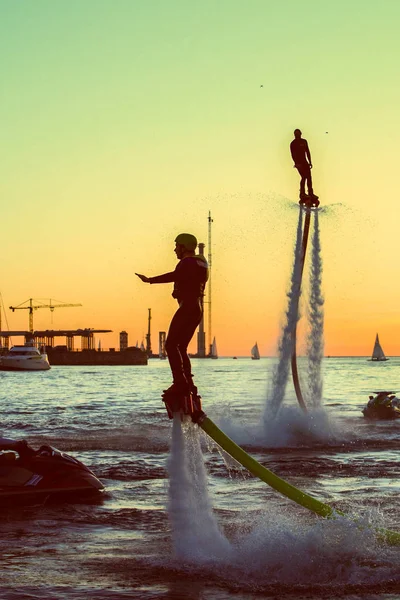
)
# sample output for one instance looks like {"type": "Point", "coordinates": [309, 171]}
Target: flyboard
{"type": "Point", "coordinates": [307, 202]}
{"type": "Point", "coordinates": [191, 406]}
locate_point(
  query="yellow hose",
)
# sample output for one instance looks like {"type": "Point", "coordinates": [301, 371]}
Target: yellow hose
{"type": "Point", "coordinates": [280, 485]}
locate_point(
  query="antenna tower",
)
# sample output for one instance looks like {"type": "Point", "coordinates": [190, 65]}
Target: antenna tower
{"type": "Point", "coordinates": [148, 336]}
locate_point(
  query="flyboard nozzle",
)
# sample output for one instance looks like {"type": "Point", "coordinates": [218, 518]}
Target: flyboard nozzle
{"type": "Point", "coordinates": [185, 404]}
{"type": "Point", "coordinates": [199, 417]}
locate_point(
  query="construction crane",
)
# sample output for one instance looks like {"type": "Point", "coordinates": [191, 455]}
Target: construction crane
{"type": "Point", "coordinates": [31, 307]}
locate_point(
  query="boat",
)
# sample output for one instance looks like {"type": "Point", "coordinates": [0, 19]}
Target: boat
{"type": "Point", "coordinates": [255, 353]}
{"type": "Point", "coordinates": [29, 477]}
{"type": "Point", "coordinates": [24, 358]}
{"type": "Point", "coordinates": [383, 406]}
{"type": "Point", "coordinates": [377, 354]}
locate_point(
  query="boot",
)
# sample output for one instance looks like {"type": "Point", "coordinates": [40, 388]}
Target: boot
{"type": "Point", "coordinates": [178, 399]}
{"type": "Point", "coordinates": [177, 389]}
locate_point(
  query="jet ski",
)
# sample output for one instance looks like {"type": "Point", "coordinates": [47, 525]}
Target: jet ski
{"type": "Point", "coordinates": [30, 477]}
{"type": "Point", "coordinates": [383, 406]}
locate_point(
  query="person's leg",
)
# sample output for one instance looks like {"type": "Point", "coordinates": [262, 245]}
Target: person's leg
{"type": "Point", "coordinates": [182, 328]}
{"type": "Point", "coordinates": [193, 314]}
{"type": "Point", "coordinates": [309, 182]}
{"type": "Point", "coordinates": [172, 348]}
{"type": "Point", "coordinates": [302, 180]}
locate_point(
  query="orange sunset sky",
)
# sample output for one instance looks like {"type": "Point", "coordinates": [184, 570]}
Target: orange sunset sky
{"type": "Point", "coordinates": [123, 123]}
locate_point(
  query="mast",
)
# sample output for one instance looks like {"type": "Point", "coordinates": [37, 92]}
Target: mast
{"type": "Point", "coordinates": [209, 282]}
{"type": "Point", "coordinates": [148, 336]}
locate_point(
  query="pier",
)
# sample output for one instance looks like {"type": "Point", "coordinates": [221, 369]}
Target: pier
{"type": "Point", "coordinates": [66, 354]}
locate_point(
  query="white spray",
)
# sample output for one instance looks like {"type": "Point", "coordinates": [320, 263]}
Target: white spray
{"type": "Point", "coordinates": [195, 533]}
{"type": "Point", "coordinates": [285, 346]}
{"type": "Point", "coordinates": [315, 340]}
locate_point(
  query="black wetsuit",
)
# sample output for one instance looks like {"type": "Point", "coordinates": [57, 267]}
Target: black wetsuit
{"type": "Point", "coordinates": [190, 277]}
{"type": "Point", "coordinates": [300, 151]}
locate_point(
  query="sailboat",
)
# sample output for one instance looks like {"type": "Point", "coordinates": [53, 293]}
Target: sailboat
{"type": "Point", "coordinates": [378, 354]}
{"type": "Point", "coordinates": [214, 351]}
{"type": "Point", "coordinates": [255, 353]}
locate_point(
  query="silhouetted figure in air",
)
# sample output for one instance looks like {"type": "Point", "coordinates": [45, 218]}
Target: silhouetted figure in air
{"type": "Point", "coordinates": [189, 278]}
{"type": "Point", "coordinates": [302, 161]}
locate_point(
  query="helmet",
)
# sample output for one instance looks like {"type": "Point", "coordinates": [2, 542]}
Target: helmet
{"type": "Point", "coordinates": [187, 240]}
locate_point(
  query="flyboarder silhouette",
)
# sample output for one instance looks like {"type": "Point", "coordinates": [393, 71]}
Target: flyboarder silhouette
{"type": "Point", "coordinates": [302, 161]}
{"type": "Point", "coordinates": [189, 278]}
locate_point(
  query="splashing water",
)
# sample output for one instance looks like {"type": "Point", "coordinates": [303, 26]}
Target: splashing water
{"type": "Point", "coordinates": [285, 346]}
{"type": "Point", "coordinates": [195, 532]}
{"type": "Point", "coordinates": [315, 341]}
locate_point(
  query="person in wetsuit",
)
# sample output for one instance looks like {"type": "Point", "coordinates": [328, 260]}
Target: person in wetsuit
{"type": "Point", "coordinates": [302, 161]}
{"type": "Point", "coordinates": [189, 278]}
{"type": "Point", "coordinates": [20, 446]}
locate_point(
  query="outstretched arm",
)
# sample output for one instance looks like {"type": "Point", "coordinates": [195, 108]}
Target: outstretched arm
{"type": "Point", "coordinates": [166, 278]}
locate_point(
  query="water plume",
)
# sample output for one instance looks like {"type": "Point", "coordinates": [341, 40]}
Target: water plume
{"type": "Point", "coordinates": [285, 346]}
{"type": "Point", "coordinates": [195, 532]}
{"type": "Point", "coordinates": [315, 339]}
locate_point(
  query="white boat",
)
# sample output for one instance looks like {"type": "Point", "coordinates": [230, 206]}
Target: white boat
{"type": "Point", "coordinates": [377, 353]}
{"type": "Point", "coordinates": [255, 353]}
{"type": "Point", "coordinates": [24, 358]}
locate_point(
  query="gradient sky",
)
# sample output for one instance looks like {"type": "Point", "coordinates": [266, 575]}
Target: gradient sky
{"type": "Point", "coordinates": [124, 122]}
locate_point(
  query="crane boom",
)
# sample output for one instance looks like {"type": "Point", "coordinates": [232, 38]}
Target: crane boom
{"type": "Point", "coordinates": [31, 307]}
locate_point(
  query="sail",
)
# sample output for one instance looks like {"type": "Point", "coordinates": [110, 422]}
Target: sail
{"type": "Point", "coordinates": [255, 354]}
{"type": "Point", "coordinates": [214, 351]}
{"type": "Point", "coordinates": [378, 353]}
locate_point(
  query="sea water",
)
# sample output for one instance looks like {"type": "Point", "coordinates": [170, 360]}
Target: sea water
{"type": "Point", "coordinates": [180, 519]}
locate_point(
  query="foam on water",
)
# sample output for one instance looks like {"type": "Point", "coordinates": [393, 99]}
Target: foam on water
{"type": "Point", "coordinates": [283, 552]}
{"type": "Point", "coordinates": [290, 427]}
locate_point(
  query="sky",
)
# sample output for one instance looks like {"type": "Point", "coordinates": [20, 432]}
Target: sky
{"type": "Point", "coordinates": [124, 122]}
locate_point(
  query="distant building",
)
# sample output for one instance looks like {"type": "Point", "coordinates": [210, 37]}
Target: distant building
{"type": "Point", "coordinates": [161, 344]}
{"type": "Point", "coordinates": [123, 340]}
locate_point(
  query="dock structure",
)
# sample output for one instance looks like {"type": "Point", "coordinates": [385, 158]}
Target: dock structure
{"type": "Point", "coordinates": [66, 354]}
{"type": "Point", "coordinates": [46, 337]}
